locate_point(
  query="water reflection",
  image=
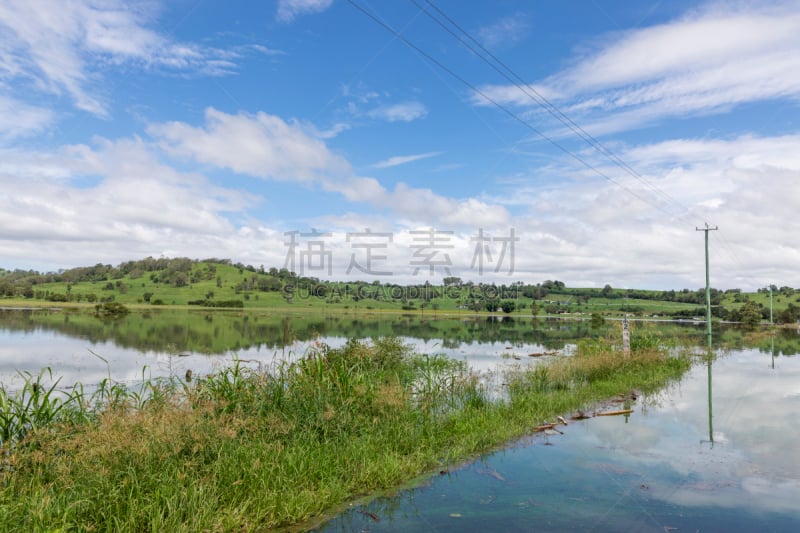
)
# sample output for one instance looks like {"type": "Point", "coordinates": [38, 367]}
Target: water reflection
{"type": "Point", "coordinates": [715, 452]}
{"type": "Point", "coordinates": [167, 343]}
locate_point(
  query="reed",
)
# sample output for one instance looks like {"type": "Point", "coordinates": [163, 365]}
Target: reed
{"type": "Point", "coordinates": [249, 450]}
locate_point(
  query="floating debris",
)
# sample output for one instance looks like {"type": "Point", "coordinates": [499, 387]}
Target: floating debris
{"type": "Point", "coordinates": [491, 472]}
{"type": "Point", "coordinates": [375, 517]}
{"type": "Point", "coordinates": [614, 413]}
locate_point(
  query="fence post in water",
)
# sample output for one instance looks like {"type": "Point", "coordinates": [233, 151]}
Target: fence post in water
{"type": "Point", "coordinates": [626, 337]}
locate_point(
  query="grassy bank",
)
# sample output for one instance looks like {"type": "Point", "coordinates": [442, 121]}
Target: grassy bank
{"type": "Point", "coordinates": [241, 450]}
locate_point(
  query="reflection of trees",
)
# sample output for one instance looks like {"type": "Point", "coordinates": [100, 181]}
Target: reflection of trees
{"type": "Point", "coordinates": [221, 331]}
{"type": "Point", "coordinates": [786, 341]}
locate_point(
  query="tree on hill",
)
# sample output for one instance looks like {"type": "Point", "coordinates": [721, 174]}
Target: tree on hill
{"type": "Point", "coordinates": [750, 314]}
{"type": "Point", "coordinates": [508, 306]}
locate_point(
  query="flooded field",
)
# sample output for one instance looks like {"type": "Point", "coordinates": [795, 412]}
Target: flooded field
{"type": "Point", "coordinates": [715, 452]}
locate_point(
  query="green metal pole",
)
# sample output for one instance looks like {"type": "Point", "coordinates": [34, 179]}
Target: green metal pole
{"type": "Point", "coordinates": [710, 409]}
{"type": "Point", "coordinates": [770, 306]}
{"type": "Point", "coordinates": [708, 293]}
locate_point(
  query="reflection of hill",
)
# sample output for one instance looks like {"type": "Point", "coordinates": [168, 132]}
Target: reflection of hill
{"type": "Point", "coordinates": [785, 342]}
{"type": "Point", "coordinates": [223, 331]}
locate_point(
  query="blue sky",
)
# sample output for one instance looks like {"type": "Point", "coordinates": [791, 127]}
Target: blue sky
{"type": "Point", "coordinates": [227, 129]}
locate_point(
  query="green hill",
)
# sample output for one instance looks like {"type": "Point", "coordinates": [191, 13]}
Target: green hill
{"type": "Point", "coordinates": [220, 283]}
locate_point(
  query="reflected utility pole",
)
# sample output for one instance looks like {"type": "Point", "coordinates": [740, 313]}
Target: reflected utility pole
{"type": "Point", "coordinates": [773, 350]}
{"type": "Point", "coordinates": [710, 409]}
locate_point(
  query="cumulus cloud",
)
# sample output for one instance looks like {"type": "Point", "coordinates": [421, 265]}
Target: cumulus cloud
{"type": "Point", "coordinates": [260, 145]}
{"type": "Point", "coordinates": [266, 146]}
{"type": "Point", "coordinates": [707, 61]}
{"type": "Point", "coordinates": [109, 201]}
{"type": "Point", "coordinates": [605, 234]}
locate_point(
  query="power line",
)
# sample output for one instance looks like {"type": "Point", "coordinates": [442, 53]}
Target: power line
{"type": "Point", "coordinates": [503, 108]}
{"type": "Point", "coordinates": [508, 73]}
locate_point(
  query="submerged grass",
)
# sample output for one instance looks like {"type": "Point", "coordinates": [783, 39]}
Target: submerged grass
{"type": "Point", "coordinates": [243, 450]}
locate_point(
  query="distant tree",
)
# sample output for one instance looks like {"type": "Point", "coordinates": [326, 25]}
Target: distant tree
{"type": "Point", "coordinates": [491, 305]}
{"type": "Point", "coordinates": [750, 314]}
{"type": "Point", "coordinates": [508, 306]}
{"type": "Point", "coordinates": [789, 315]}
{"type": "Point", "coordinates": [597, 320]}
{"type": "Point", "coordinates": [552, 309]}
{"type": "Point", "coordinates": [606, 292]}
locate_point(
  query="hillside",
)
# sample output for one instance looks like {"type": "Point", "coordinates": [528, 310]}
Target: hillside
{"type": "Point", "coordinates": [220, 283]}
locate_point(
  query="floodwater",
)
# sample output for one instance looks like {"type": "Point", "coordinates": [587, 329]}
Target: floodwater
{"type": "Point", "coordinates": [716, 452]}
{"type": "Point", "coordinates": [684, 460]}
{"type": "Point", "coordinates": [78, 347]}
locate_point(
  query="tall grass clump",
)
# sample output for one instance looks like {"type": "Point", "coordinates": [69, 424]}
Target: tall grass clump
{"type": "Point", "coordinates": [599, 369]}
{"type": "Point", "coordinates": [37, 405]}
{"type": "Point", "coordinates": [240, 449]}
{"type": "Point", "coordinates": [246, 450]}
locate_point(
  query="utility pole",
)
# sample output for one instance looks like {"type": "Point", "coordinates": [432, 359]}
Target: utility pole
{"type": "Point", "coordinates": [770, 305]}
{"type": "Point", "coordinates": [708, 286]}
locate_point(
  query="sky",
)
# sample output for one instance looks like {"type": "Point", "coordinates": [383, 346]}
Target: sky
{"type": "Point", "coordinates": [406, 141]}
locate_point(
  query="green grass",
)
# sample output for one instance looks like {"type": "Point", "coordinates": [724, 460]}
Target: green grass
{"type": "Point", "coordinates": [225, 279]}
{"type": "Point", "coordinates": [240, 450]}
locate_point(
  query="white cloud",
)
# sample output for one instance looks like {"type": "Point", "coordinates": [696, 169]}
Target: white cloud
{"type": "Point", "coordinates": [708, 61]}
{"type": "Point", "coordinates": [506, 31]}
{"type": "Point", "coordinates": [259, 145]}
{"type": "Point", "coordinates": [403, 159]}
{"type": "Point", "coordinates": [289, 9]}
{"type": "Point", "coordinates": [60, 48]}
{"type": "Point", "coordinates": [423, 206]}
{"type": "Point", "coordinates": [18, 119]}
{"type": "Point", "coordinates": [402, 112]}
{"type": "Point", "coordinates": [111, 201]}
{"type": "Point", "coordinates": [597, 232]}
{"type": "Point", "coordinates": [266, 146]}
